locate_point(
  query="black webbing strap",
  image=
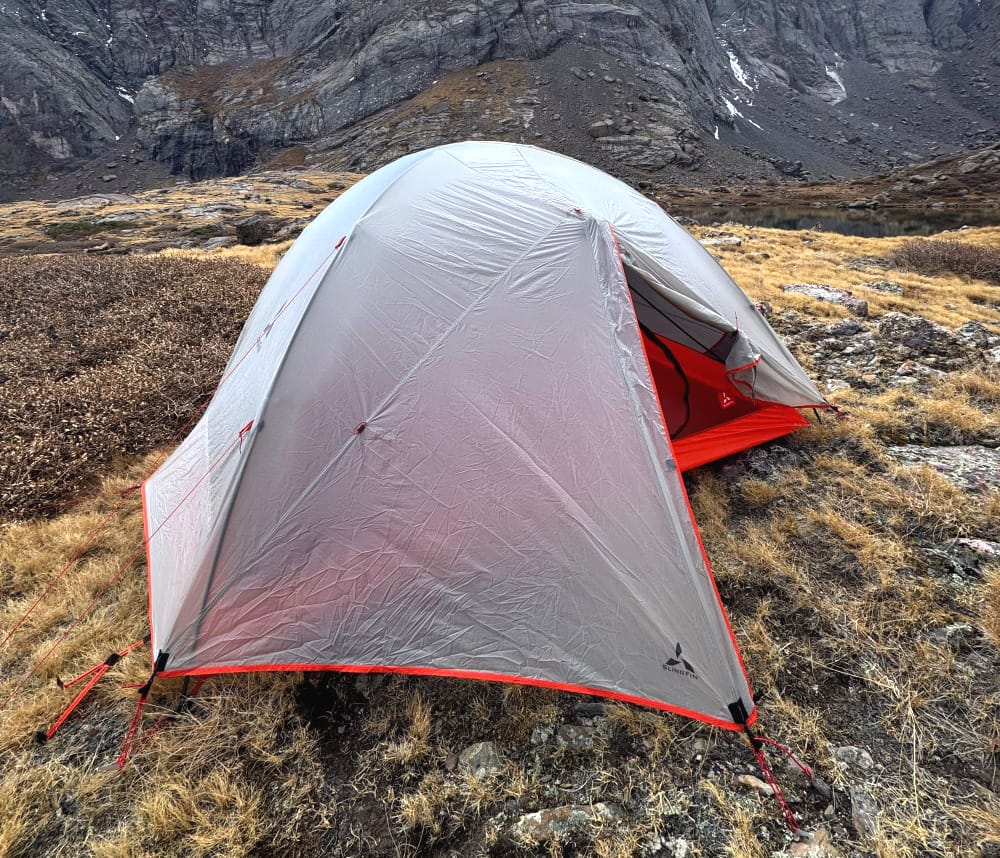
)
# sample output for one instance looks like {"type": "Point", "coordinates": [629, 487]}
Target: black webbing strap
{"type": "Point", "coordinates": [677, 366]}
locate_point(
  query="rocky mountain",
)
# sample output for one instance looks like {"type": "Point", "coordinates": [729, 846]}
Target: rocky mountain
{"type": "Point", "coordinates": [121, 89]}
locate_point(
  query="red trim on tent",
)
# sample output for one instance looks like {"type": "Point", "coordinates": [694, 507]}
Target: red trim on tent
{"type": "Point", "coordinates": [463, 674]}
{"type": "Point", "coordinates": [694, 524]}
{"type": "Point", "coordinates": [745, 367]}
{"type": "Point", "coordinates": [764, 424]}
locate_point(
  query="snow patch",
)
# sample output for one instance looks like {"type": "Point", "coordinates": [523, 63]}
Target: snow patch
{"type": "Point", "coordinates": [716, 132]}
{"type": "Point", "coordinates": [739, 72]}
{"type": "Point", "coordinates": [124, 93]}
{"type": "Point", "coordinates": [734, 112]}
{"type": "Point", "coordinates": [837, 79]}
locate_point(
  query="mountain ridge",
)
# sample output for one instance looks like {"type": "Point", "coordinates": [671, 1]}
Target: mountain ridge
{"type": "Point", "coordinates": [205, 89]}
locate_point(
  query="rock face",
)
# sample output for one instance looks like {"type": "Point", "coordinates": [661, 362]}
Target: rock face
{"type": "Point", "coordinates": [898, 350]}
{"type": "Point", "coordinates": [831, 295]}
{"type": "Point", "coordinates": [211, 88]}
{"type": "Point", "coordinates": [973, 468]}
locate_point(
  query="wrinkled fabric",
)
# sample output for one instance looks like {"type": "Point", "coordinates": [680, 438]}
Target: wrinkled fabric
{"type": "Point", "coordinates": [457, 462]}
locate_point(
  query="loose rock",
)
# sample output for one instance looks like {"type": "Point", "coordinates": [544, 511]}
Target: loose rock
{"type": "Point", "coordinates": [958, 637]}
{"type": "Point", "coordinates": [816, 845]}
{"type": "Point", "coordinates": [854, 761]}
{"type": "Point", "coordinates": [556, 823]}
{"type": "Point", "coordinates": [964, 557]}
{"type": "Point", "coordinates": [575, 738]}
{"type": "Point", "coordinates": [480, 760]}
{"type": "Point", "coordinates": [831, 295]}
{"type": "Point", "coordinates": [886, 286]}
{"type": "Point", "coordinates": [602, 128]}
{"type": "Point", "coordinates": [865, 813]}
{"type": "Point", "coordinates": [754, 783]}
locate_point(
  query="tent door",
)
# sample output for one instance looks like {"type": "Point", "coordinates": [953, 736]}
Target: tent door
{"type": "Point", "coordinates": [707, 416]}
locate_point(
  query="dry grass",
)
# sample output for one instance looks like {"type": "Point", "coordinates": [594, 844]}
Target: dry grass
{"type": "Point", "coordinates": [181, 216]}
{"type": "Point", "coordinates": [989, 608]}
{"type": "Point", "coordinates": [823, 566]}
{"type": "Point", "coordinates": [770, 258]}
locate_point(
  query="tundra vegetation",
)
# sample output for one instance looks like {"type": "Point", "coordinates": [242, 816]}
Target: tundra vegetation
{"type": "Point", "coordinates": [861, 586]}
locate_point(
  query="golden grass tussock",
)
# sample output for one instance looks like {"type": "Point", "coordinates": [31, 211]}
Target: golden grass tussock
{"type": "Point", "coordinates": [989, 608]}
{"type": "Point", "coordinates": [737, 819]}
{"type": "Point", "coordinates": [265, 256]}
{"type": "Point", "coordinates": [962, 408]}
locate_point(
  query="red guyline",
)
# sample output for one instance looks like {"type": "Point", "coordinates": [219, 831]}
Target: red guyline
{"type": "Point", "coordinates": [775, 789]}
{"type": "Point", "coordinates": [121, 654]}
{"type": "Point", "coordinates": [88, 541]}
{"type": "Point", "coordinates": [170, 443]}
{"type": "Point", "coordinates": [95, 673]}
{"type": "Point", "coordinates": [114, 580]}
{"type": "Point", "coordinates": [137, 746]}
{"type": "Point", "coordinates": [131, 733]}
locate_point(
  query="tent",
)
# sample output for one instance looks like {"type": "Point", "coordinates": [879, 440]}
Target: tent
{"type": "Point", "coordinates": [450, 441]}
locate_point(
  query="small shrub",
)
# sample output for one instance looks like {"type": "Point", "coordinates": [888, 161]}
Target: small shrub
{"type": "Point", "coordinates": [104, 356]}
{"type": "Point", "coordinates": [949, 257]}
{"type": "Point", "coordinates": [207, 230]}
{"type": "Point", "coordinates": [83, 228]}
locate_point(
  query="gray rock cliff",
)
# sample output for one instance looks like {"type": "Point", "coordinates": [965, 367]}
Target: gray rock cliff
{"type": "Point", "coordinates": [213, 87]}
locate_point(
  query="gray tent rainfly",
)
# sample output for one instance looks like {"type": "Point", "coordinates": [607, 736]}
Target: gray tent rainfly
{"type": "Point", "coordinates": [443, 444]}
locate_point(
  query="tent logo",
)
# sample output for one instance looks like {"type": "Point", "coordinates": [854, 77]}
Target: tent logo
{"type": "Point", "coordinates": [679, 664]}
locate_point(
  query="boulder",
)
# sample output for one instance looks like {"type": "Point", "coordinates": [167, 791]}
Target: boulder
{"type": "Point", "coordinates": [917, 336]}
{"type": "Point", "coordinates": [722, 241]}
{"type": "Point", "coordinates": [253, 230]}
{"type": "Point", "coordinates": [973, 467]}
{"type": "Point", "coordinates": [831, 295]}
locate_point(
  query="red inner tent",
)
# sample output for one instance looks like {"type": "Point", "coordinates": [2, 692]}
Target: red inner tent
{"type": "Point", "coordinates": [707, 416]}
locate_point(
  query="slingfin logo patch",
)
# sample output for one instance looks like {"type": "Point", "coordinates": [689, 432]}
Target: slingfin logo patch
{"type": "Point", "coordinates": [679, 664]}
